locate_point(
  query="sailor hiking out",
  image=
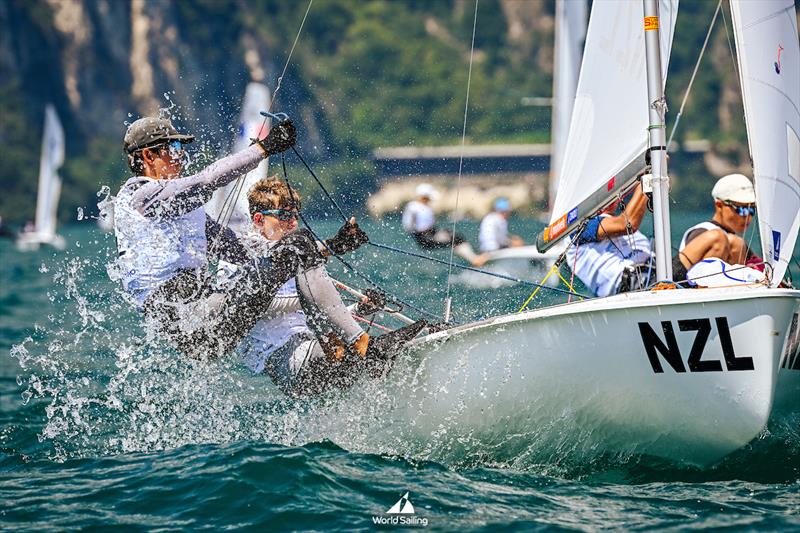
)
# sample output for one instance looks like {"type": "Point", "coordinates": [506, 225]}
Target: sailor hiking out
{"type": "Point", "coordinates": [301, 341]}
{"type": "Point", "coordinates": [712, 246]}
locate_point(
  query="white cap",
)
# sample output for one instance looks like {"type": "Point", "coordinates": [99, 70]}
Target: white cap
{"type": "Point", "coordinates": [427, 190]}
{"type": "Point", "coordinates": [734, 188]}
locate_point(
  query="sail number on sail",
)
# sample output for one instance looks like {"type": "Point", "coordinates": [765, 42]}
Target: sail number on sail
{"type": "Point", "coordinates": [671, 353]}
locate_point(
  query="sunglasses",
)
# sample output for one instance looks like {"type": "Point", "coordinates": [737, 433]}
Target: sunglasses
{"type": "Point", "coordinates": [742, 210]}
{"type": "Point", "coordinates": [281, 214]}
{"type": "Point", "coordinates": [175, 148]}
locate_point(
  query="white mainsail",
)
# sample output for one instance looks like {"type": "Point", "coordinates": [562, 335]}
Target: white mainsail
{"type": "Point", "coordinates": [52, 158]}
{"type": "Point", "coordinates": [570, 33]}
{"type": "Point", "coordinates": [609, 121]}
{"type": "Point", "coordinates": [769, 68]}
{"type": "Point", "coordinates": [251, 125]}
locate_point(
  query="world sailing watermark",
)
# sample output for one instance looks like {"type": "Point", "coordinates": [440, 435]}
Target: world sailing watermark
{"type": "Point", "coordinates": [401, 513]}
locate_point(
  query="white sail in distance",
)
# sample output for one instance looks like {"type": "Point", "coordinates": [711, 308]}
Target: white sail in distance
{"type": "Point", "coordinates": [52, 158]}
{"type": "Point", "coordinates": [570, 33]}
{"type": "Point", "coordinates": [609, 121]}
{"type": "Point", "coordinates": [769, 67]}
{"type": "Point", "coordinates": [252, 124]}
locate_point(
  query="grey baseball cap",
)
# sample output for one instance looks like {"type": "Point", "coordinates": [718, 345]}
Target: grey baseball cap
{"type": "Point", "coordinates": [150, 131]}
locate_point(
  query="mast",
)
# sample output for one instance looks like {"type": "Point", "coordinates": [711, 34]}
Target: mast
{"type": "Point", "coordinates": [657, 141]}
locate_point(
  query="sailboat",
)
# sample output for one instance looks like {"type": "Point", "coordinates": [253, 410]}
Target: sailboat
{"type": "Point", "coordinates": [228, 205]}
{"type": "Point", "coordinates": [570, 31]}
{"type": "Point", "coordinates": [52, 157]}
{"type": "Point", "coordinates": [686, 375]}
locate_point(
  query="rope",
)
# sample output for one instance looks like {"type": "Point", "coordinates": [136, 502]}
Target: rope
{"type": "Point", "coordinates": [289, 57]}
{"type": "Point", "coordinates": [319, 182]}
{"type": "Point", "coordinates": [450, 264]}
{"type": "Point", "coordinates": [574, 264]}
{"type": "Point", "coordinates": [730, 48]}
{"type": "Point", "coordinates": [694, 73]}
{"type": "Point", "coordinates": [461, 155]}
{"type": "Point", "coordinates": [473, 269]}
{"type": "Point", "coordinates": [535, 292]}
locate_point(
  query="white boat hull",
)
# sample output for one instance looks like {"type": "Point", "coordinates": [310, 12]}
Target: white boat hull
{"type": "Point", "coordinates": [589, 376]}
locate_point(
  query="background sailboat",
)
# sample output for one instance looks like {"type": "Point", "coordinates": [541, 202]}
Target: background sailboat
{"type": "Point", "coordinates": [227, 204]}
{"type": "Point", "coordinates": [688, 375]}
{"type": "Point", "coordinates": [52, 157]}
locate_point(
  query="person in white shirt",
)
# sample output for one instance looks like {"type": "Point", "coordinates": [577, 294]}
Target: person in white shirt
{"type": "Point", "coordinates": [307, 341]}
{"type": "Point", "coordinates": [419, 221]}
{"type": "Point", "coordinates": [611, 255]}
{"type": "Point", "coordinates": [493, 234]}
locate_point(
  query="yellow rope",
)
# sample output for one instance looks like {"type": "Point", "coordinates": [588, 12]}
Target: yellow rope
{"type": "Point", "coordinates": [568, 285]}
{"type": "Point", "coordinates": [553, 269]}
{"type": "Point", "coordinates": [537, 289]}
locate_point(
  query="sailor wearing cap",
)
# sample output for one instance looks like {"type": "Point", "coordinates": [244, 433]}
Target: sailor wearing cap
{"type": "Point", "coordinates": [493, 234]}
{"type": "Point", "coordinates": [418, 217]}
{"type": "Point", "coordinates": [734, 208]}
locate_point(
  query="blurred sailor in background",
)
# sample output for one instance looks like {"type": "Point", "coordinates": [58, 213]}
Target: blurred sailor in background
{"type": "Point", "coordinates": [493, 234]}
{"type": "Point", "coordinates": [419, 221]}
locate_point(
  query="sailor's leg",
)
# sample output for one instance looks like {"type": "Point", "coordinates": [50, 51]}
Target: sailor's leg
{"type": "Point", "coordinates": [284, 365]}
{"type": "Point", "coordinates": [318, 373]}
{"type": "Point", "coordinates": [182, 310]}
{"type": "Point", "coordinates": [426, 240]}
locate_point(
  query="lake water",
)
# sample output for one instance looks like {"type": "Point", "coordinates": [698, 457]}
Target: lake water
{"type": "Point", "coordinates": [102, 426]}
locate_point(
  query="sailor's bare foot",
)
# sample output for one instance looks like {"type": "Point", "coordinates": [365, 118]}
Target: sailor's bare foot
{"type": "Point", "coordinates": [361, 344]}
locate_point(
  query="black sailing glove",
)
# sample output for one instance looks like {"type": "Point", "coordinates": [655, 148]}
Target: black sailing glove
{"type": "Point", "coordinates": [347, 239]}
{"type": "Point", "coordinates": [281, 137]}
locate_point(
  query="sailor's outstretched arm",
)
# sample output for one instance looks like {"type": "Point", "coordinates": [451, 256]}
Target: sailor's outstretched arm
{"type": "Point", "coordinates": [176, 197]}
